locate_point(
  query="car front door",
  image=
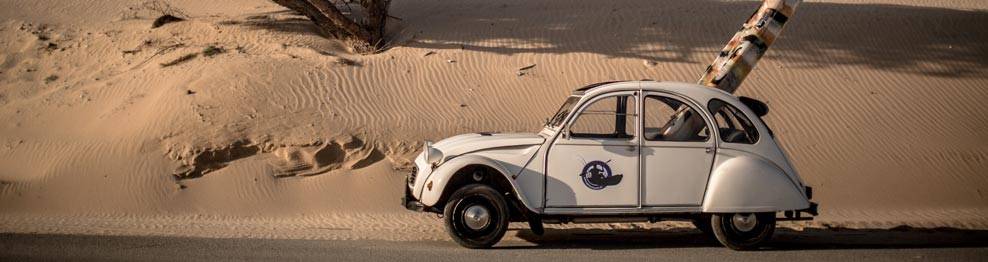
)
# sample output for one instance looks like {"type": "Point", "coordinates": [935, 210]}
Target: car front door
{"type": "Point", "coordinates": [594, 163]}
{"type": "Point", "coordinates": [676, 155]}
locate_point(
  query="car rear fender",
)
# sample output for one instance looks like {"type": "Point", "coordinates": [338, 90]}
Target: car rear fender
{"type": "Point", "coordinates": [741, 182]}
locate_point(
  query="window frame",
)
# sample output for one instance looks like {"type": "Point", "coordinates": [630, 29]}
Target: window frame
{"type": "Point", "coordinates": [633, 96]}
{"type": "Point", "coordinates": [749, 126]}
{"type": "Point", "coordinates": [558, 120]}
{"type": "Point", "coordinates": [684, 102]}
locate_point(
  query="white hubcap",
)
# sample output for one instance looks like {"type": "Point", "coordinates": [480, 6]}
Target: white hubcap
{"type": "Point", "coordinates": [476, 217]}
{"type": "Point", "coordinates": [744, 222]}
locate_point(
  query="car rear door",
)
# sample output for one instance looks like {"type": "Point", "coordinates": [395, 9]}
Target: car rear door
{"type": "Point", "coordinates": [676, 155]}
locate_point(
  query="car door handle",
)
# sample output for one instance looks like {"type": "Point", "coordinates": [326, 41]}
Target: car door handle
{"type": "Point", "coordinates": [709, 149]}
{"type": "Point", "coordinates": [632, 148]}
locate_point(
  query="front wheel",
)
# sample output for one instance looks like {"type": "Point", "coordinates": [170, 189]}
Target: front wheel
{"type": "Point", "coordinates": [743, 231]}
{"type": "Point", "coordinates": [476, 216]}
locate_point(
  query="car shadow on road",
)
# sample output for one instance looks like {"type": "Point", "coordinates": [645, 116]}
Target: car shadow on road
{"type": "Point", "coordinates": [901, 237]}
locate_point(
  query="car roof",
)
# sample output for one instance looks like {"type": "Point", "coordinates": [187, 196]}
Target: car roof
{"type": "Point", "coordinates": [698, 92]}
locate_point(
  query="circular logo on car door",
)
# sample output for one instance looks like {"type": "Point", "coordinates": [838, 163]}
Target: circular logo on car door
{"type": "Point", "coordinates": [597, 175]}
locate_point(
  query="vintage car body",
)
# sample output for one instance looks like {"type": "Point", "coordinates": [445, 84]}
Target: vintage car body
{"type": "Point", "coordinates": [641, 172]}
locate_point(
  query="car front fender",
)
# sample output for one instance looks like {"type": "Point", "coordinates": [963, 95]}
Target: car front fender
{"type": "Point", "coordinates": [745, 183]}
{"type": "Point", "coordinates": [440, 177]}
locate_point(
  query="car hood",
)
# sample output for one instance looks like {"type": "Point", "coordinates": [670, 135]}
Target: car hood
{"type": "Point", "coordinates": [473, 142]}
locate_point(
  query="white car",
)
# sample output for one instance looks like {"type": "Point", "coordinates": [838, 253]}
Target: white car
{"type": "Point", "coordinates": [618, 152]}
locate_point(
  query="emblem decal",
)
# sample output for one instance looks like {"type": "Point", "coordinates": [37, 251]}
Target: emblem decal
{"type": "Point", "coordinates": [597, 175]}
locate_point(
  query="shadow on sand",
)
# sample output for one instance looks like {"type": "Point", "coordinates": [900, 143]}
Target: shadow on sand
{"type": "Point", "coordinates": [890, 37]}
{"type": "Point", "coordinates": [922, 40]}
{"type": "Point", "coordinates": [784, 239]}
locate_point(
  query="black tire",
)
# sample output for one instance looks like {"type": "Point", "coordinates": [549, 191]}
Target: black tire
{"type": "Point", "coordinates": [735, 237]}
{"type": "Point", "coordinates": [480, 196]}
{"type": "Point", "coordinates": [702, 223]}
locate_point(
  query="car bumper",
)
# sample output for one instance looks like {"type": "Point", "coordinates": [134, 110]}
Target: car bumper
{"type": "Point", "coordinates": [811, 211]}
{"type": "Point", "coordinates": [410, 203]}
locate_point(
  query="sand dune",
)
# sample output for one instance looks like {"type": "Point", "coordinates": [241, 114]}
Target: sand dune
{"type": "Point", "coordinates": [878, 103]}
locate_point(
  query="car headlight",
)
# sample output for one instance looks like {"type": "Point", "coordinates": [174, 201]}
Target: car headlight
{"type": "Point", "coordinates": [432, 155]}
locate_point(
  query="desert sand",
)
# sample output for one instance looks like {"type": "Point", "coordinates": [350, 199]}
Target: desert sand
{"type": "Point", "coordinates": [273, 131]}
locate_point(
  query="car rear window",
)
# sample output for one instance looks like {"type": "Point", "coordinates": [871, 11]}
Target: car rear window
{"type": "Point", "coordinates": [732, 124]}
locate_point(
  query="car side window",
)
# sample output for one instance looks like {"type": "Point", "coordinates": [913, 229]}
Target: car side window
{"type": "Point", "coordinates": [611, 117]}
{"type": "Point", "coordinates": [732, 124]}
{"type": "Point", "coordinates": [668, 119]}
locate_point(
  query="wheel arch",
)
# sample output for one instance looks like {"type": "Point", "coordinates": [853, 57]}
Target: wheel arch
{"type": "Point", "coordinates": [459, 171]}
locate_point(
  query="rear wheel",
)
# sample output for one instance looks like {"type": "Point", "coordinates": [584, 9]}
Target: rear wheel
{"type": "Point", "coordinates": [743, 231]}
{"type": "Point", "coordinates": [476, 216]}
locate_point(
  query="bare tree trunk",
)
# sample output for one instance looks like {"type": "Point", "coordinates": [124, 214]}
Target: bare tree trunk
{"type": "Point", "coordinates": [302, 6]}
{"type": "Point", "coordinates": [377, 16]}
{"type": "Point", "coordinates": [737, 59]}
{"type": "Point", "coordinates": [329, 10]}
{"type": "Point", "coordinates": [746, 48]}
{"type": "Point", "coordinates": [363, 38]}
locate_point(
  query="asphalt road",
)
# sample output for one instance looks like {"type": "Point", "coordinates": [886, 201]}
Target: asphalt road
{"type": "Point", "coordinates": [557, 245]}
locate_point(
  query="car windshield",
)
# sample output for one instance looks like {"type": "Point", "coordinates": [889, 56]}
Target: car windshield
{"type": "Point", "coordinates": [564, 111]}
